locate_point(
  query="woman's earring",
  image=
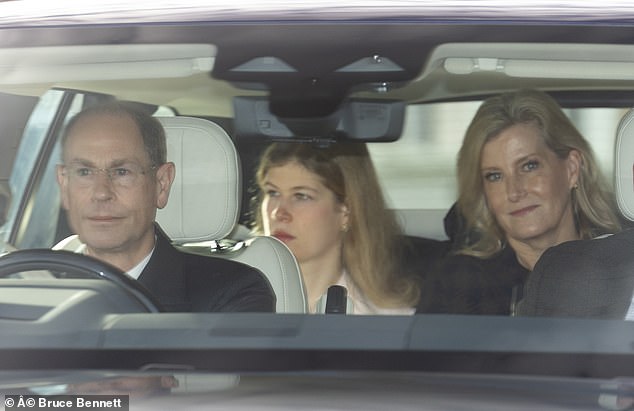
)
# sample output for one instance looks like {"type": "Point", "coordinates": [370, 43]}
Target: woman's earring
{"type": "Point", "coordinates": [344, 227]}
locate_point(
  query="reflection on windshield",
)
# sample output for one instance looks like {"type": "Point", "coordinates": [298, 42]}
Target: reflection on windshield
{"type": "Point", "coordinates": [34, 134]}
{"type": "Point", "coordinates": [136, 385]}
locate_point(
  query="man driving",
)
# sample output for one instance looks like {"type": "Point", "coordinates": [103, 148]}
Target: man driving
{"type": "Point", "coordinates": [113, 177]}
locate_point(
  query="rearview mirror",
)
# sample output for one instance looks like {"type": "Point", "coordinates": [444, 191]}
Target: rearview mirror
{"type": "Point", "coordinates": [354, 119]}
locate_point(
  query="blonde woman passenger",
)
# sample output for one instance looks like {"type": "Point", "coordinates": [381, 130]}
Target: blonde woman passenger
{"type": "Point", "coordinates": [326, 205]}
{"type": "Point", "coordinates": [527, 181]}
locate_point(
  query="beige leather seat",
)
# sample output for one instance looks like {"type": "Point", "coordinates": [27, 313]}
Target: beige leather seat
{"type": "Point", "coordinates": [624, 175]}
{"type": "Point", "coordinates": [204, 207]}
{"type": "Point", "coordinates": [624, 165]}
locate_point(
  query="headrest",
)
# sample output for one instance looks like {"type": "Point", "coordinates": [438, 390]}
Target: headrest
{"type": "Point", "coordinates": [204, 202]}
{"type": "Point", "coordinates": [624, 165]}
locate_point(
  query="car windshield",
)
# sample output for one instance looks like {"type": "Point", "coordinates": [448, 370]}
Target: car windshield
{"type": "Point", "coordinates": [315, 205]}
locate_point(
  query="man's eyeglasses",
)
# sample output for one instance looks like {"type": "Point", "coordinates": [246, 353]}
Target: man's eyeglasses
{"type": "Point", "coordinates": [126, 175]}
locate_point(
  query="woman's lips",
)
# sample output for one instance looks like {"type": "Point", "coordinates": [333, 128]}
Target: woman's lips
{"type": "Point", "coordinates": [283, 236]}
{"type": "Point", "coordinates": [523, 211]}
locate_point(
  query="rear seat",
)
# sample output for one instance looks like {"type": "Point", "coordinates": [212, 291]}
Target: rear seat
{"type": "Point", "coordinates": [421, 254]}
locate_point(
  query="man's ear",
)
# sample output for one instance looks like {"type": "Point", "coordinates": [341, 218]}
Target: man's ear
{"type": "Point", "coordinates": [165, 175]}
{"type": "Point", "coordinates": [63, 185]}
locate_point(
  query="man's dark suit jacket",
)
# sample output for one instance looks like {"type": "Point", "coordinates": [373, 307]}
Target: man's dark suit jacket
{"type": "Point", "coordinates": [186, 282]}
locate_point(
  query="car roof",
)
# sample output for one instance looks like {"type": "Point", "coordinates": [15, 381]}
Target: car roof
{"type": "Point", "coordinates": [29, 12]}
{"type": "Point", "coordinates": [320, 51]}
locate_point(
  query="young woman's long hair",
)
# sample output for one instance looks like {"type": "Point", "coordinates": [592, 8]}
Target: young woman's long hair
{"type": "Point", "coordinates": [371, 246]}
{"type": "Point", "coordinates": [593, 205]}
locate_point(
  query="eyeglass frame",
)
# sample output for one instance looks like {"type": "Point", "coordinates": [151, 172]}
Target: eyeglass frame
{"type": "Point", "coordinates": [110, 172]}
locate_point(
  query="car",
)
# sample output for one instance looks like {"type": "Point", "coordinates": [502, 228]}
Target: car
{"type": "Point", "coordinates": [228, 78]}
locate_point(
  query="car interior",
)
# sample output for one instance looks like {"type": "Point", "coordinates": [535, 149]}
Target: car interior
{"type": "Point", "coordinates": [407, 90]}
{"type": "Point", "coordinates": [253, 98]}
{"type": "Point", "coordinates": [225, 85]}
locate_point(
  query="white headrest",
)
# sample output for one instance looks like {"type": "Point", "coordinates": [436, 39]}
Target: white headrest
{"type": "Point", "coordinates": [624, 165]}
{"type": "Point", "coordinates": [276, 261]}
{"type": "Point", "coordinates": [204, 202]}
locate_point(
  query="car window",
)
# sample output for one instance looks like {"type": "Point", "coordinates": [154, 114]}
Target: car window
{"type": "Point", "coordinates": [33, 137]}
{"type": "Point", "coordinates": [38, 184]}
{"type": "Point", "coordinates": [418, 171]}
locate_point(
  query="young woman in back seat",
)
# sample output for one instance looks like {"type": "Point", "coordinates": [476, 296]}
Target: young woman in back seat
{"type": "Point", "coordinates": [326, 205]}
{"type": "Point", "coordinates": [527, 180]}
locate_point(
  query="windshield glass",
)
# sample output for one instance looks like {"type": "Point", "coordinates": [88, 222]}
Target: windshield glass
{"type": "Point", "coordinates": [407, 202]}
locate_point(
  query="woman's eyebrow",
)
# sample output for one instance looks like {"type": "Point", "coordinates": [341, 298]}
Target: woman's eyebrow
{"type": "Point", "coordinates": [268, 183]}
{"type": "Point", "coordinates": [525, 157]}
{"type": "Point", "coordinates": [297, 187]}
{"type": "Point", "coordinates": [303, 187]}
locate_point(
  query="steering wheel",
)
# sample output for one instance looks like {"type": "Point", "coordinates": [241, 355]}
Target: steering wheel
{"type": "Point", "coordinates": [77, 265]}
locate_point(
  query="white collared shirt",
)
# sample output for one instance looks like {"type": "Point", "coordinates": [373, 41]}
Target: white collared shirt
{"type": "Point", "coordinates": [72, 243]}
{"type": "Point", "coordinates": [136, 271]}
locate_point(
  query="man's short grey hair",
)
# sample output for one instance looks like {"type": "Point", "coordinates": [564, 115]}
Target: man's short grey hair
{"type": "Point", "coordinates": [150, 128]}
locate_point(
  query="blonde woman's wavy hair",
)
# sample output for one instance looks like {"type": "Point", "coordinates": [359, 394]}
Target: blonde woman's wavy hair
{"type": "Point", "coordinates": [371, 251]}
{"type": "Point", "coordinates": [594, 207]}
